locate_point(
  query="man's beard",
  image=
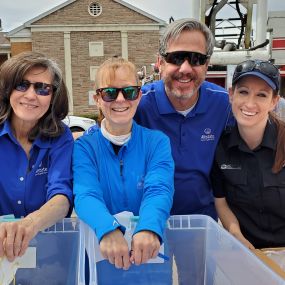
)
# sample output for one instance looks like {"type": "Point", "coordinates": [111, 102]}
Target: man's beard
{"type": "Point", "coordinates": [176, 92]}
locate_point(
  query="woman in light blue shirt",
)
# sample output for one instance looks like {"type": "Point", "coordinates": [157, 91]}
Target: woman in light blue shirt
{"type": "Point", "coordinates": [121, 166]}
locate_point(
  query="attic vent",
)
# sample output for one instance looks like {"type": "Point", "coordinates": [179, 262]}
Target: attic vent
{"type": "Point", "coordinates": [95, 9]}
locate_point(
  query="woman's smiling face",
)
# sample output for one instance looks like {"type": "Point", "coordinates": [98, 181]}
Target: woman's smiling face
{"type": "Point", "coordinates": [120, 112]}
{"type": "Point", "coordinates": [252, 99]}
{"type": "Point", "coordinates": [28, 107]}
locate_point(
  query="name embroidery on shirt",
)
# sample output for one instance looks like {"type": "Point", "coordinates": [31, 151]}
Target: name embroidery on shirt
{"type": "Point", "coordinates": [41, 170]}
{"type": "Point", "coordinates": [230, 166]}
{"type": "Point", "coordinates": [207, 136]}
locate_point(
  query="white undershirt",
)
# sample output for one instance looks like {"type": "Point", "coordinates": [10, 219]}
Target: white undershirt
{"type": "Point", "coordinates": [117, 140]}
{"type": "Point", "coordinates": [185, 112]}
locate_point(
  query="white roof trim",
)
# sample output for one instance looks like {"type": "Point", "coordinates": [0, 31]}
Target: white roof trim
{"type": "Point", "coordinates": [62, 5]}
{"type": "Point", "coordinates": [5, 45]}
{"type": "Point", "coordinates": [28, 23]}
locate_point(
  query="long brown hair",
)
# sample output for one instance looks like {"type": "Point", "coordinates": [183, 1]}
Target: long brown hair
{"type": "Point", "coordinates": [12, 73]}
{"type": "Point", "coordinates": [279, 160]}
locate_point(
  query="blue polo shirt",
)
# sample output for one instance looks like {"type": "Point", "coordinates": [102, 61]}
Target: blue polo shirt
{"type": "Point", "coordinates": [27, 184]}
{"type": "Point", "coordinates": [193, 141]}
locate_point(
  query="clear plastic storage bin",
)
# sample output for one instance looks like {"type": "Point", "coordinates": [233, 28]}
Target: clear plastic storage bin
{"type": "Point", "coordinates": [204, 253]}
{"type": "Point", "coordinates": [54, 257]}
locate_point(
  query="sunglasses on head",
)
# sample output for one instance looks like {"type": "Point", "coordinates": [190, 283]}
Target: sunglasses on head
{"type": "Point", "coordinates": [109, 94]}
{"type": "Point", "coordinates": [42, 89]}
{"type": "Point", "coordinates": [178, 57]}
{"type": "Point", "coordinates": [264, 67]}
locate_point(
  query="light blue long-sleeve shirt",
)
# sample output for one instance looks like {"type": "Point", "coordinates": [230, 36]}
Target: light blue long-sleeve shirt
{"type": "Point", "coordinates": [139, 179]}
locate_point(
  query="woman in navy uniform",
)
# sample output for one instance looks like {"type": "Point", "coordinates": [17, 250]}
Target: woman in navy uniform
{"type": "Point", "coordinates": [248, 176]}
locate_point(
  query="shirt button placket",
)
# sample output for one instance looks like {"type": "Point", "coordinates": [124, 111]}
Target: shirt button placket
{"type": "Point", "coordinates": [183, 134]}
{"type": "Point", "coordinates": [19, 201]}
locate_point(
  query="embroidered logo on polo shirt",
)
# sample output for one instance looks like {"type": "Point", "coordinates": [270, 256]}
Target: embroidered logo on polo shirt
{"type": "Point", "coordinates": [41, 170]}
{"type": "Point", "coordinates": [140, 183]}
{"type": "Point", "coordinates": [207, 136]}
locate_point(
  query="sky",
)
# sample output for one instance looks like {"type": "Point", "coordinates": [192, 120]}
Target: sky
{"type": "Point", "coordinates": [14, 13]}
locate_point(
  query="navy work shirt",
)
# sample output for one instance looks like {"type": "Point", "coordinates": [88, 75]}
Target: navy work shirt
{"type": "Point", "coordinates": [254, 194]}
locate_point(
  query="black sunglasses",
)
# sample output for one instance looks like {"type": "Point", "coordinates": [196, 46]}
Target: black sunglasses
{"type": "Point", "coordinates": [110, 94]}
{"type": "Point", "coordinates": [42, 89]}
{"type": "Point", "coordinates": [264, 67]}
{"type": "Point", "coordinates": [178, 57]}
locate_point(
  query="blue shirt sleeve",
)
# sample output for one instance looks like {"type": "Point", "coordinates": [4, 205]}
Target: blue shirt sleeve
{"type": "Point", "coordinates": [89, 201]}
{"type": "Point", "coordinates": [60, 168]}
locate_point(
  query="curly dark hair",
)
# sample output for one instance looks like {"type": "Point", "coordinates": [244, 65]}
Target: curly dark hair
{"type": "Point", "coordinates": [12, 73]}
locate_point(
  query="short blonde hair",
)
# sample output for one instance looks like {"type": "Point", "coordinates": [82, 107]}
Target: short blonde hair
{"type": "Point", "coordinates": [106, 75]}
{"type": "Point", "coordinates": [106, 71]}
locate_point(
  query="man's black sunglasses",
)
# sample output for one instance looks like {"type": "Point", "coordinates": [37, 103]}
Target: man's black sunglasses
{"type": "Point", "coordinates": [264, 67]}
{"type": "Point", "coordinates": [178, 57]}
{"type": "Point", "coordinates": [110, 94]}
{"type": "Point", "coordinates": [42, 89]}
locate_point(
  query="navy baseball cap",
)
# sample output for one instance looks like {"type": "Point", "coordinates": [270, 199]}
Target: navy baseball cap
{"type": "Point", "coordinates": [262, 69]}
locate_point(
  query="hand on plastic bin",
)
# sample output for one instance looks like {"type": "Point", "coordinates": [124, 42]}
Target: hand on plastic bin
{"type": "Point", "coordinates": [15, 237]}
{"type": "Point", "coordinates": [114, 247]}
{"type": "Point", "coordinates": [145, 245]}
{"type": "Point", "coordinates": [243, 240]}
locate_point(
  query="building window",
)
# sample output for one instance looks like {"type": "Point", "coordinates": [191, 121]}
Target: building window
{"type": "Point", "coordinates": [94, 9]}
{"type": "Point", "coordinates": [91, 100]}
{"type": "Point", "coordinates": [93, 72]}
{"type": "Point", "coordinates": [96, 49]}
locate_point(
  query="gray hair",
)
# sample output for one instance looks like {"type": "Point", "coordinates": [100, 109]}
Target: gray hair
{"type": "Point", "coordinates": [175, 28]}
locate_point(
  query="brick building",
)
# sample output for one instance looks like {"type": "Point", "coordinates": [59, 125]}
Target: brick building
{"type": "Point", "coordinates": [5, 48]}
{"type": "Point", "coordinates": [81, 34]}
